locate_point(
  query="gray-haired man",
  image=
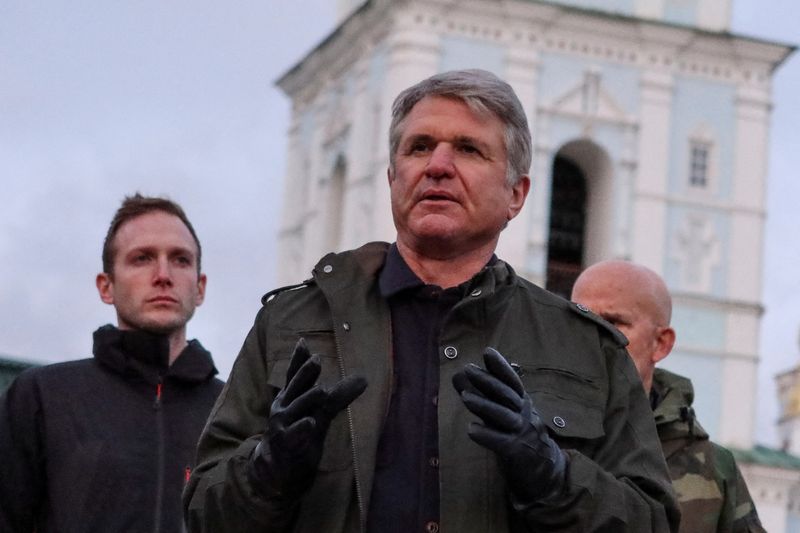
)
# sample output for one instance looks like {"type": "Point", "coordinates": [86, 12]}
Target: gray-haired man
{"type": "Point", "coordinates": [378, 431]}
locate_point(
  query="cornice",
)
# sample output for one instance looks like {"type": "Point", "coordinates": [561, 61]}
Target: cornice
{"type": "Point", "coordinates": [593, 35]}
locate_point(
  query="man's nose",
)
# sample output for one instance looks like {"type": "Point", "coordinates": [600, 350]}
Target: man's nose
{"type": "Point", "coordinates": [163, 274]}
{"type": "Point", "coordinates": [441, 163]}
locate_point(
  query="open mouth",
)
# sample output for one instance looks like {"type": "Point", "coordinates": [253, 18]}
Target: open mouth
{"type": "Point", "coordinates": [436, 196]}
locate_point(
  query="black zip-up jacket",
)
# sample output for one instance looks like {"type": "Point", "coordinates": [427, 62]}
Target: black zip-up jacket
{"type": "Point", "coordinates": [104, 444]}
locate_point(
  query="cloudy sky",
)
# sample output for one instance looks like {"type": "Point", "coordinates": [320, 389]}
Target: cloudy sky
{"type": "Point", "coordinates": [101, 99]}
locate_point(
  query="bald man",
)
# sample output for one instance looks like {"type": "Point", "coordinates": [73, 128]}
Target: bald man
{"type": "Point", "coordinates": [710, 488]}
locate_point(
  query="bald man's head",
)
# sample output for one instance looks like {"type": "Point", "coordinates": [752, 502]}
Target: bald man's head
{"type": "Point", "coordinates": [636, 300]}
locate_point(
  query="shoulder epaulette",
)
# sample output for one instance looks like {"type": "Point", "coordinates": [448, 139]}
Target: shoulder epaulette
{"type": "Point", "coordinates": [274, 292]}
{"type": "Point", "coordinates": [587, 313]}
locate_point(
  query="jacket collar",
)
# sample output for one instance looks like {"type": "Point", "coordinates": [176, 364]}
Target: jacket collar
{"type": "Point", "coordinates": [673, 412]}
{"type": "Point", "coordinates": [396, 276]}
{"type": "Point", "coordinates": [146, 355]}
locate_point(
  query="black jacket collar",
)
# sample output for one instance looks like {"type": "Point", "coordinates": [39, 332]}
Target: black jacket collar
{"type": "Point", "coordinates": [146, 356]}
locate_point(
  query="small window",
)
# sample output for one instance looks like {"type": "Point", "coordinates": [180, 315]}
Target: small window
{"type": "Point", "coordinates": [699, 164]}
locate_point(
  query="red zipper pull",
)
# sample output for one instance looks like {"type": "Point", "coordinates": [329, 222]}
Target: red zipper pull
{"type": "Point", "coordinates": [187, 473]}
{"type": "Point", "coordinates": [157, 403]}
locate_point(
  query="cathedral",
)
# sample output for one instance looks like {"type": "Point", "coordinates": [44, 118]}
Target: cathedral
{"type": "Point", "coordinates": [650, 124]}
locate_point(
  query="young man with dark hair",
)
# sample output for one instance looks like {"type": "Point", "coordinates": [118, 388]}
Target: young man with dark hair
{"type": "Point", "coordinates": [106, 444]}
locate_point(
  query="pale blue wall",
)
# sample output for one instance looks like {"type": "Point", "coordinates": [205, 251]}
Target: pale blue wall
{"type": "Point", "coordinates": [307, 126]}
{"type": "Point", "coordinates": [698, 102]}
{"type": "Point", "coordinates": [560, 72]}
{"type": "Point", "coordinates": [793, 522]}
{"type": "Point", "coordinates": [462, 52]}
{"type": "Point", "coordinates": [681, 12]}
{"type": "Point", "coordinates": [625, 7]}
{"type": "Point", "coordinates": [705, 372]}
{"type": "Point", "coordinates": [672, 268]}
{"type": "Point", "coordinates": [377, 70]}
{"type": "Point", "coordinates": [700, 328]}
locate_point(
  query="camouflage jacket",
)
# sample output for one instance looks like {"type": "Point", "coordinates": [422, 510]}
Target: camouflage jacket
{"type": "Point", "coordinates": [712, 493]}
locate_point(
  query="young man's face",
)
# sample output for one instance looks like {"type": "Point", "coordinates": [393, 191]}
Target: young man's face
{"type": "Point", "coordinates": [155, 285]}
{"type": "Point", "coordinates": [448, 184]}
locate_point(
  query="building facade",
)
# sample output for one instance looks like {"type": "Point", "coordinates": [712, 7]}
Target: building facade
{"type": "Point", "coordinates": [650, 124]}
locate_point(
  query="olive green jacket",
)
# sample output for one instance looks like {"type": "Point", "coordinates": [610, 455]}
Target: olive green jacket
{"type": "Point", "coordinates": [574, 367]}
{"type": "Point", "coordinates": [712, 493]}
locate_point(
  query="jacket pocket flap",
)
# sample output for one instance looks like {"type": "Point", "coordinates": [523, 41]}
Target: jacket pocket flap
{"type": "Point", "coordinates": [566, 418]}
{"type": "Point", "coordinates": [569, 404]}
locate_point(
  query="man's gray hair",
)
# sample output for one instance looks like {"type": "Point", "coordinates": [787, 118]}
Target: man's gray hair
{"type": "Point", "coordinates": [483, 92]}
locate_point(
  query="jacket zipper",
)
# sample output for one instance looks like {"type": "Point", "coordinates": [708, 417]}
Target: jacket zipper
{"type": "Point", "coordinates": [359, 495]}
{"type": "Point", "coordinates": [160, 456]}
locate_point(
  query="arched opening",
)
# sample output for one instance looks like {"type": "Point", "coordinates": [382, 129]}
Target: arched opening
{"type": "Point", "coordinates": [567, 226]}
{"type": "Point", "coordinates": [581, 214]}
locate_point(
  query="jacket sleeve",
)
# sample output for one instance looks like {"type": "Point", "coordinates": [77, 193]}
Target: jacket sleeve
{"type": "Point", "coordinates": [21, 466]}
{"type": "Point", "coordinates": [219, 496]}
{"type": "Point", "coordinates": [619, 483]}
{"type": "Point", "coordinates": [743, 510]}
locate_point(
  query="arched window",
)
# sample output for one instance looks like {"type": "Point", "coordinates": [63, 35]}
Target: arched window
{"type": "Point", "coordinates": [567, 226]}
{"type": "Point", "coordinates": [582, 213]}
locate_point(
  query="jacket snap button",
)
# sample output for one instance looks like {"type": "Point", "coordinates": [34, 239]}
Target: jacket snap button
{"type": "Point", "coordinates": [327, 269]}
{"type": "Point", "coordinates": [582, 308]}
{"type": "Point", "coordinates": [346, 326]}
{"type": "Point", "coordinates": [432, 527]}
{"type": "Point", "coordinates": [559, 422]}
{"type": "Point", "coordinates": [450, 352]}
{"type": "Point", "coordinates": [476, 292]}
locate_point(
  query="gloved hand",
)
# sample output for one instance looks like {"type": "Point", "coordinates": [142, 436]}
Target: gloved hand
{"type": "Point", "coordinates": [534, 465]}
{"type": "Point", "coordinates": [285, 462]}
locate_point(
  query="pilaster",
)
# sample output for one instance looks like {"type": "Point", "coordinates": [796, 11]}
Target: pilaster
{"type": "Point", "coordinates": [650, 187]}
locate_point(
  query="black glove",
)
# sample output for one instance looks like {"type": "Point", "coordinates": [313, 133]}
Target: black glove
{"type": "Point", "coordinates": [285, 462]}
{"type": "Point", "coordinates": [534, 466]}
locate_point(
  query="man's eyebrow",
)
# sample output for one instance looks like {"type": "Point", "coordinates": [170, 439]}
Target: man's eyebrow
{"type": "Point", "coordinates": [415, 137]}
{"type": "Point", "coordinates": [149, 248]}
{"type": "Point", "coordinates": [613, 317]}
{"type": "Point", "coordinates": [466, 139]}
{"type": "Point", "coordinates": [146, 248]}
{"type": "Point", "coordinates": [459, 139]}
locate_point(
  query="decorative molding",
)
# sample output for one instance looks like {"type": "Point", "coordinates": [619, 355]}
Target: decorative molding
{"type": "Point", "coordinates": [708, 204]}
{"type": "Point", "coordinates": [697, 249]}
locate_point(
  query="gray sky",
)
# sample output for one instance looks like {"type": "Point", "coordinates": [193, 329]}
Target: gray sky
{"type": "Point", "coordinates": [101, 99]}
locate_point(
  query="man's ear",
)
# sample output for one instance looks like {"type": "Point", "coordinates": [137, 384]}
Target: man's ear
{"type": "Point", "coordinates": [105, 287]}
{"type": "Point", "coordinates": [665, 340]}
{"type": "Point", "coordinates": [519, 191]}
{"type": "Point", "coordinates": [201, 289]}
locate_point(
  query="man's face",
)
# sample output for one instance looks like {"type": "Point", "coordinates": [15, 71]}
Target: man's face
{"type": "Point", "coordinates": [155, 285]}
{"type": "Point", "coordinates": [448, 183]}
{"type": "Point", "coordinates": [608, 295]}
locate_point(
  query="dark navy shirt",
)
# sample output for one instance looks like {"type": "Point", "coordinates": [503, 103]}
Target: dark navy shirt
{"type": "Point", "coordinates": [405, 489]}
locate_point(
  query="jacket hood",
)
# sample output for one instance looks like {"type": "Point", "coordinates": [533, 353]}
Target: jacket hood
{"type": "Point", "coordinates": [674, 415]}
{"type": "Point", "coordinates": [136, 353]}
